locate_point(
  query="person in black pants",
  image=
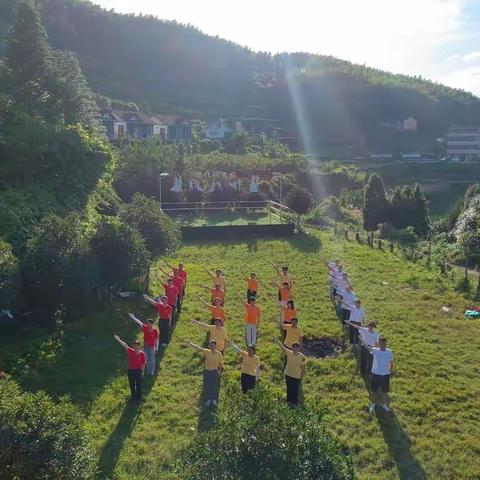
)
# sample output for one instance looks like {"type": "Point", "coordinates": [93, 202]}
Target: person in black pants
{"type": "Point", "coordinates": [136, 364]}
{"type": "Point", "coordinates": [294, 371]}
{"type": "Point", "coordinates": [252, 286]}
{"type": "Point", "coordinates": [250, 367]}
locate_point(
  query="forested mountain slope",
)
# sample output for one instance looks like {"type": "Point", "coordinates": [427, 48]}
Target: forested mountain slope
{"type": "Point", "coordinates": [167, 66]}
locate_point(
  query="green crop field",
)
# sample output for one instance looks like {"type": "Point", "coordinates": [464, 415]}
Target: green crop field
{"type": "Point", "coordinates": [432, 431]}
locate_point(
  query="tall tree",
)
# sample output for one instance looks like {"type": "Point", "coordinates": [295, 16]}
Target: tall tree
{"type": "Point", "coordinates": [375, 207]}
{"type": "Point", "coordinates": [421, 223]}
{"type": "Point", "coordinates": [26, 59]}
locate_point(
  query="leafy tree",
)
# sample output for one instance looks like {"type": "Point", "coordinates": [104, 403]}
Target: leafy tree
{"type": "Point", "coordinates": [71, 99]}
{"type": "Point", "coordinates": [41, 439]}
{"type": "Point", "coordinates": [120, 252]}
{"type": "Point", "coordinates": [9, 275]}
{"type": "Point", "coordinates": [256, 436]}
{"type": "Point", "coordinates": [375, 207]}
{"type": "Point", "coordinates": [57, 266]}
{"type": "Point", "coordinates": [161, 234]}
{"type": "Point", "coordinates": [421, 222]}
{"type": "Point", "coordinates": [299, 199]}
{"type": "Point", "coordinates": [240, 143]}
{"type": "Point", "coordinates": [26, 60]}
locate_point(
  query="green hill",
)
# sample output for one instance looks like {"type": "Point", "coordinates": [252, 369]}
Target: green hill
{"type": "Point", "coordinates": [167, 66]}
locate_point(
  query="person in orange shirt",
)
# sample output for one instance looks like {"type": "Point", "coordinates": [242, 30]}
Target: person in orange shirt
{"type": "Point", "coordinates": [284, 292]}
{"type": "Point", "coordinates": [216, 292]}
{"type": "Point", "coordinates": [217, 277]}
{"type": "Point", "coordinates": [216, 309]}
{"type": "Point", "coordinates": [287, 312]}
{"type": "Point", "coordinates": [283, 275]}
{"type": "Point", "coordinates": [252, 321]}
{"type": "Point", "coordinates": [252, 286]}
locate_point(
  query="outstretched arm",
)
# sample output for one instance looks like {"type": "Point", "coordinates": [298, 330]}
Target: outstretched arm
{"type": "Point", "coordinates": [281, 345]}
{"type": "Point", "coordinates": [279, 323]}
{"type": "Point", "coordinates": [353, 325]}
{"type": "Point", "coordinates": [275, 267]}
{"type": "Point", "coordinates": [205, 287]}
{"type": "Point", "coordinates": [204, 302]}
{"type": "Point", "coordinates": [120, 341]}
{"type": "Point", "coordinates": [136, 320]}
{"type": "Point", "coordinates": [234, 346]}
{"type": "Point", "coordinates": [149, 299]}
{"type": "Point", "coordinates": [200, 324]}
{"type": "Point", "coordinates": [208, 271]}
{"type": "Point", "coordinates": [193, 345]}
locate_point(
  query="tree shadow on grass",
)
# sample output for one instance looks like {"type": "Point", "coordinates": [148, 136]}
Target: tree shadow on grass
{"type": "Point", "coordinates": [305, 243]}
{"type": "Point", "coordinates": [398, 443]}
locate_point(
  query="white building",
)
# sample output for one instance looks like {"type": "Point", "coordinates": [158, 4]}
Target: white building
{"type": "Point", "coordinates": [464, 143]}
{"type": "Point", "coordinates": [160, 128]}
{"type": "Point", "coordinates": [219, 130]}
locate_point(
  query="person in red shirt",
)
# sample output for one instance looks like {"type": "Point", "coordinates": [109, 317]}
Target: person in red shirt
{"type": "Point", "coordinates": [164, 311]}
{"type": "Point", "coordinates": [171, 292]}
{"type": "Point", "coordinates": [179, 283]}
{"type": "Point", "coordinates": [182, 273]}
{"type": "Point", "coordinates": [150, 341]}
{"type": "Point", "coordinates": [136, 364]}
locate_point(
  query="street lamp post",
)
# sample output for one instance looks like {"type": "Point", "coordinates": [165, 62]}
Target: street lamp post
{"type": "Point", "coordinates": [164, 174]}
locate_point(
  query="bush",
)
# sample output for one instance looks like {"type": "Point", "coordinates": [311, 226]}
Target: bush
{"type": "Point", "coordinates": [257, 436]}
{"type": "Point", "coordinates": [299, 199]}
{"type": "Point", "coordinates": [9, 275]}
{"type": "Point", "coordinates": [120, 252]}
{"type": "Point", "coordinates": [160, 233]}
{"type": "Point", "coordinates": [58, 264]}
{"type": "Point", "coordinates": [41, 439]}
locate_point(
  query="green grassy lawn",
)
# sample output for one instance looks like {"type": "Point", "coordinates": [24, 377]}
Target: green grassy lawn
{"type": "Point", "coordinates": [433, 430]}
{"type": "Point", "coordinates": [222, 219]}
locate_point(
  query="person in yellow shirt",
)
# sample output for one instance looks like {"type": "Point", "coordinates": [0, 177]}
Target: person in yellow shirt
{"type": "Point", "coordinates": [216, 309]}
{"type": "Point", "coordinates": [217, 277]}
{"type": "Point", "coordinates": [294, 371]}
{"type": "Point", "coordinates": [293, 333]}
{"type": "Point", "coordinates": [250, 367]}
{"type": "Point", "coordinates": [217, 333]}
{"type": "Point", "coordinates": [212, 370]}
{"type": "Point", "coordinates": [252, 321]}
{"type": "Point", "coordinates": [252, 286]}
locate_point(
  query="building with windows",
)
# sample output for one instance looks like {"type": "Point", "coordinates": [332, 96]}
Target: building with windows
{"type": "Point", "coordinates": [464, 143]}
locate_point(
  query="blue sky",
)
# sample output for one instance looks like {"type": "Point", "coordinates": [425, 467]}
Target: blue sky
{"type": "Point", "coordinates": [438, 39]}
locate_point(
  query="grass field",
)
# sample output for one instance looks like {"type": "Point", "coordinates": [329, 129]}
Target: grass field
{"type": "Point", "coordinates": [432, 432]}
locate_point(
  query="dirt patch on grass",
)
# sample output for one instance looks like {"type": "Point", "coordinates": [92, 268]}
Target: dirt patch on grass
{"type": "Point", "coordinates": [323, 347]}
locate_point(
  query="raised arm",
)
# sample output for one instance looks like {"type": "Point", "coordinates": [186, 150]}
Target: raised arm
{"type": "Point", "coordinates": [281, 345]}
{"type": "Point", "coordinates": [275, 267]}
{"type": "Point", "coordinates": [279, 323]}
{"type": "Point", "coordinates": [205, 287]}
{"type": "Point", "coordinates": [120, 341]}
{"type": "Point", "coordinates": [149, 299]}
{"type": "Point", "coordinates": [169, 266]}
{"type": "Point", "coordinates": [208, 271]}
{"type": "Point", "coordinates": [193, 345]}
{"type": "Point", "coordinates": [234, 346]}
{"type": "Point", "coordinates": [136, 320]}
{"type": "Point", "coordinates": [353, 325]}
{"type": "Point", "coordinates": [200, 324]}
{"type": "Point", "coordinates": [204, 302]}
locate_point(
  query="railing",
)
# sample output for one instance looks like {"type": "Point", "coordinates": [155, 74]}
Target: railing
{"type": "Point", "coordinates": [275, 210]}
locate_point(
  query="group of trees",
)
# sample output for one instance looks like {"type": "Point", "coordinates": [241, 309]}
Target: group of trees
{"type": "Point", "coordinates": [66, 234]}
{"type": "Point", "coordinates": [407, 206]}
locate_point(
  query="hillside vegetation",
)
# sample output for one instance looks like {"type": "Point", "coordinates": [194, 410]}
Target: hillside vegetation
{"type": "Point", "coordinates": [432, 432]}
{"type": "Point", "coordinates": [167, 66]}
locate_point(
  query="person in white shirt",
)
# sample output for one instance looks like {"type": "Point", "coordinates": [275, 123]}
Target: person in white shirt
{"type": "Point", "coordinates": [356, 318]}
{"type": "Point", "coordinates": [369, 338]}
{"type": "Point", "coordinates": [335, 270]}
{"type": "Point", "coordinates": [382, 370]}
{"type": "Point", "coordinates": [348, 302]}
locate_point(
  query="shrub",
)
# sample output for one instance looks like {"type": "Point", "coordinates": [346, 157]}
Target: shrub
{"type": "Point", "coordinates": [161, 234]}
{"type": "Point", "coordinates": [120, 252]}
{"type": "Point", "coordinates": [257, 436]}
{"type": "Point", "coordinates": [299, 199]}
{"type": "Point", "coordinates": [41, 439]}
{"type": "Point", "coordinates": [9, 275]}
{"type": "Point", "coordinates": [57, 266]}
